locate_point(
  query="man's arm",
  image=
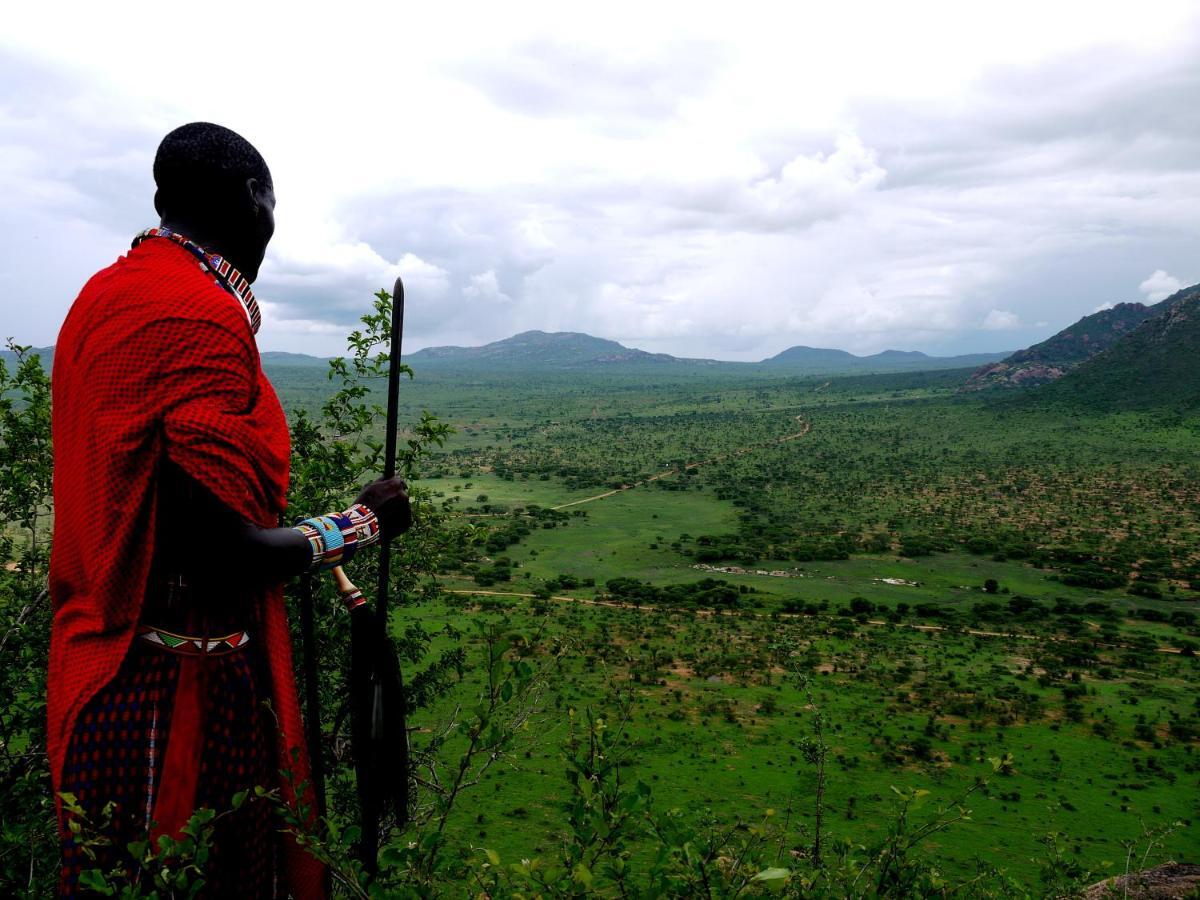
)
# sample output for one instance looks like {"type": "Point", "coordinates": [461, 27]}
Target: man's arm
{"type": "Point", "coordinates": [204, 376]}
{"type": "Point", "coordinates": [249, 554]}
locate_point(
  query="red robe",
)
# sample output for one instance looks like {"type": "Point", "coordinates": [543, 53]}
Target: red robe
{"type": "Point", "coordinates": [156, 358]}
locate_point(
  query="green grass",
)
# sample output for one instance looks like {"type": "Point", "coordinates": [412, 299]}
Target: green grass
{"type": "Point", "coordinates": [629, 535]}
{"type": "Point", "coordinates": [695, 757]}
{"type": "Point", "coordinates": [614, 538]}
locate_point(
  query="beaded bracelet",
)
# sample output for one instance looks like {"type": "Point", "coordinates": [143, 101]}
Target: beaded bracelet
{"type": "Point", "coordinates": [335, 538]}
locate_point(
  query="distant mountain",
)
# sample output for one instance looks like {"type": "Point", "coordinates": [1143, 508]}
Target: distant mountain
{"type": "Point", "coordinates": [1154, 365]}
{"type": "Point", "coordinates": [1057, 355]}
{"type": "Point", "coordinates": [811, 357]}
{"type": "Point", "coordinates": [822, 361]}
{"type": "Point", "coordinates": [283, 358]}
{"type": "Point", "coordinates": [539, 350]}
{"type": "Point", "coordinates": [46, 353]}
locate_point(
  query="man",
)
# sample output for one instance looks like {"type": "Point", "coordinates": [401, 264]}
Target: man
{"type": "Point", "coordinates": [170, 683]}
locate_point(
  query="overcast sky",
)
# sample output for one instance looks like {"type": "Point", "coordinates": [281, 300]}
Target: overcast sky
{"type": "Point", "coordinates": [948, 177]}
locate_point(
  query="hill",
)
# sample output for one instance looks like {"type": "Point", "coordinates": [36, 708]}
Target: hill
{"type": "Point", "coordinates": [283, 358]}
{"type": "Point", "coordinates": [539, 350]}
{"type": "Point", "coordinates": [46, 353]}
{"type": "Point", "coordinates": [802, 360]}
{"type": "Point", "coordinates": [1054, 357]}
{"type": "Point", "coordinates": [1154, 365]}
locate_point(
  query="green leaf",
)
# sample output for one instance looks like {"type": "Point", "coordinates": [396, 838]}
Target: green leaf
{"type": "Point", "coordinates": [774, 878]}
{"type": "Point", "coordinates": [94, 880]}
{"type": "Point", "coordinates": [583, 875]}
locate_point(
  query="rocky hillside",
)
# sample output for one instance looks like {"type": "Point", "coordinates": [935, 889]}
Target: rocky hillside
{"type": "Point", "coordinates": [1057, 355]}
{"type": "Point", "coordinates": [1155, 365]}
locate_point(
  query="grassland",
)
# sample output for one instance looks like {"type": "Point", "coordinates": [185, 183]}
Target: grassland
{"type": "Point", "coordinates": [718, 727]}
{"type": "Point", "coordinates": [961, 578]}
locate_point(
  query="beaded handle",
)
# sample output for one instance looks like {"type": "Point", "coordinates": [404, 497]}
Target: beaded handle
{"type": "Point", "coordinates": [351, 596]}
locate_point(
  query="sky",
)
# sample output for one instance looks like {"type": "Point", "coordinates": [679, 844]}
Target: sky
{"type": "Point", "coordinates": [717, 181]}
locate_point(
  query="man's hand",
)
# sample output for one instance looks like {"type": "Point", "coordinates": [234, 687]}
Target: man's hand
{"type": "Point", "coordinates": [388, 499]}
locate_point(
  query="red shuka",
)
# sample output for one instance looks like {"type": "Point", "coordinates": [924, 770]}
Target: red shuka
{"type": "Point", "coordinates": [154, 359]}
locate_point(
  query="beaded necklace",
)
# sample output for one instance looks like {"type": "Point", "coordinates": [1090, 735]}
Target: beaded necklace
{"type": "Point", "coordinates": [227, 276]}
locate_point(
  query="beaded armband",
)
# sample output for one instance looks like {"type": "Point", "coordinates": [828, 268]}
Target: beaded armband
{"type": "Point", "coordinates": [335, 538]}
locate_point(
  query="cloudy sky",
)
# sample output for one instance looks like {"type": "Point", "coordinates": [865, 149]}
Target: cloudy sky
{"type": "Point", "coordinates": [949, 177]}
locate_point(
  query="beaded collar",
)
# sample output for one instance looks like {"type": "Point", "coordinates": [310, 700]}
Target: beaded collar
{"type": "Point", "coordinates": [227, 276]}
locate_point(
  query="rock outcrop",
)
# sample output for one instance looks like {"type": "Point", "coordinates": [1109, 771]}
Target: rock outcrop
{"type": "Point", "coordinates": [1170, 881]}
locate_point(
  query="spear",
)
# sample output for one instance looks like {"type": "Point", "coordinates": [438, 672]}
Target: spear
{"type": "Point", "coordinates": [378, 730]}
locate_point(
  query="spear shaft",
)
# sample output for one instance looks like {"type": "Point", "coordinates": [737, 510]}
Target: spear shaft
{"type": "Point", "coordinates": [383, 764]}
{"type": "Point", "coordinates": [312, 691]}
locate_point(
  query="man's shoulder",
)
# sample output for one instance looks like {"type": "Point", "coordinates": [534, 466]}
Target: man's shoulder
{"type": "Point", "coordinates": [153, 282]}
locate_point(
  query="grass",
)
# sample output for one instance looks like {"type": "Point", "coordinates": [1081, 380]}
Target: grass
{"type": "Point", "coordinates": [630, 534]}
{"type": "Point", "coordinates": [698, 756]}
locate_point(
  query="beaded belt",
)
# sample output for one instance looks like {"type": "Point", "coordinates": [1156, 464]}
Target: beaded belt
{"type": "Point", "coordinates": [192, 646]}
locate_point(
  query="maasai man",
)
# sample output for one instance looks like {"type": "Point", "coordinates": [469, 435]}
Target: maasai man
{"type": "Point", "coordinates": [170, 683]}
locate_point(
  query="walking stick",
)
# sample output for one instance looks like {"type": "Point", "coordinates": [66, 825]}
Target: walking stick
{"type": "Point", "coordinates": [312, 694]}
{"type": "Point", "coordinates": [377, 714]}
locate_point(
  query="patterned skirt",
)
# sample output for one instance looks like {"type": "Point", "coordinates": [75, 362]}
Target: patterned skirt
{"type": "Point", "coordinates": [116, 754]}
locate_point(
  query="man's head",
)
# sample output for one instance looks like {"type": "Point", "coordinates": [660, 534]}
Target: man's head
{"type": "Point", "coordinates": [216, 188]}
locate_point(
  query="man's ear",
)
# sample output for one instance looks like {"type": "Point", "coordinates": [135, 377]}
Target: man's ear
{"type": "Point", "coordinates": [252, 188]}
{"type": "Point", "coordinates": [158, 203]}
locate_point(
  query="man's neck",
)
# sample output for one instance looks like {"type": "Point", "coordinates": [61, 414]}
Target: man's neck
{"type": "Point", "coordinates": [204, 236]}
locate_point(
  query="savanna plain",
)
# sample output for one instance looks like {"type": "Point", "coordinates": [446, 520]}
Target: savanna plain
{"type": "Point", "coordinates": [810, 601]}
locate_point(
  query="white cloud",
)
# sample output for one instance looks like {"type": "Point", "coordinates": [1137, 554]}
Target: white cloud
{"type": "Point", "coordinates": [1001, 320]}
{"type": "Point", "coordinates": [485, 287]}
{"type": "Point", "coordinates": [425, 279]}
{"type": "Point", "coordinates": [816, 186]}
{"type": "Point", "coordinates": [1159, 286]}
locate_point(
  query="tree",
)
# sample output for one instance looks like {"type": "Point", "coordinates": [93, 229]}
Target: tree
{"type": "Point", "coordinates": [28, 834]}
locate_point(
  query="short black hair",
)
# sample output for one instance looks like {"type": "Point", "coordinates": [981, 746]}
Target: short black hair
{"type": "Point", "coordinates": [203, 163]}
